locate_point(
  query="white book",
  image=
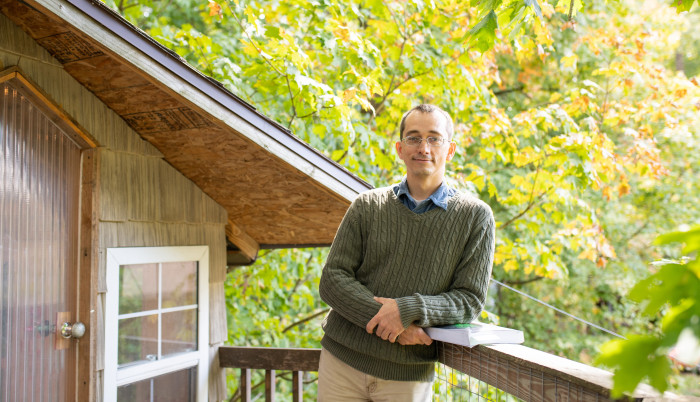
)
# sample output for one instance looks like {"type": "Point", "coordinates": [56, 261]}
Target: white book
{"type": "Point", "coordinates": [473, 334]}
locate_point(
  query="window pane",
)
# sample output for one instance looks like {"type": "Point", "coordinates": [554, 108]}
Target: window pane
{"type": "Point", "coordinates": [179, 284]}
{"type": "Point", "coordinates": [179, 332]}
{"type": "Point", "coordinates": [138, 339]}
{"type": "Point", "coordinates": [138, 288]}
{"type": "Point", "coordinates": [178, 386]}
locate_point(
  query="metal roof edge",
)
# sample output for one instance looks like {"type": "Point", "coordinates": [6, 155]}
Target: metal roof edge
{"type": "Point", "coordinates": [169, 60]}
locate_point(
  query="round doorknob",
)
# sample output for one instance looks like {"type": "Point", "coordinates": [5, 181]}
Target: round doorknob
{"type": "Point", "coordinates": [75, 330]}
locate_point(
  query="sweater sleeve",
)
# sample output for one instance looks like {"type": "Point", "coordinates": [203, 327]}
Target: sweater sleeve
{"type": "Point", "coordinates": [339, 287]}
{"type": "Point", "coordinates": [465, 298]}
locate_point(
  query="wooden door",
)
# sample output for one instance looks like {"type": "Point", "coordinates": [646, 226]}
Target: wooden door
{"type": "Point", "coordinates": [39, 206]}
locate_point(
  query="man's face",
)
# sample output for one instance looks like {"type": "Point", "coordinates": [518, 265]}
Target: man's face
{"type": "Point", "coordinates": [425, 161]}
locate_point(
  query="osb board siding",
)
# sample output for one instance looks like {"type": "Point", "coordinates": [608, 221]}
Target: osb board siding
{"type": "Point", "coordinates": [135, 99]}
{"type": "Point", "coordinates": [36, 24]}
{"type": "Point", "coordinates": [20, 44]}
{"type": "Point", "coordinates": [105, 74]}
{"type": "Point", "coordinates": [254, 187]}
{"type": "Point", "coordinates": [38, 65]}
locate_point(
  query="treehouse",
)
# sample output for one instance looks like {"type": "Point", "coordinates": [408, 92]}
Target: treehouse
{"type": "Point", "coordinates": [129, 183]}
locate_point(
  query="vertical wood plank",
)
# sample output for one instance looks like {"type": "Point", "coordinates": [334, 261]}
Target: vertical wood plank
{"type": "Point", "coordinates": [270, 377]}
{"type": "Point", "coordinates": [87, 260]}
{"type": "Point", "coordinates": [297, 386]}
{"type": "Point", "coordinates": [217, 376]}
{"type": "Point", "coordinates": [246, 391]}
{"type": "Point", "coordinates": [218, 332]}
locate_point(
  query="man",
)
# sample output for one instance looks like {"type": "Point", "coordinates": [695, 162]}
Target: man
{"type": "Point", "coordinates": [406, 257]}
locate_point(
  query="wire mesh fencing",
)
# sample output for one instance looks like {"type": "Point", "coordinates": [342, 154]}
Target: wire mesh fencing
{"type": "Point", "coordinates": [481, 374]}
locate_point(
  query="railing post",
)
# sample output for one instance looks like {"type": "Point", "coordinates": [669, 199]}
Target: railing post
{"type": "Point", "coordinates": [270, 385]}
{"type": "Point", "coordinates": [297, 386]}
{"type": "Point", "coordinates": [246, 391]}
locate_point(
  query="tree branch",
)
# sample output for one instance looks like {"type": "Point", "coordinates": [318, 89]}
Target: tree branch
{"type": "Point", "coordinates": [517, 88]}
{"type": "Point", "coordinates": [309, 318]}
{"type": "Point", "coordinates": [523, 212]}
{"type": "Point", "coordinates": [252, 42]}
{"type": "Point", "coordinates": [524, 281]}
{"type": "Point", "coordinates": [291, 99]}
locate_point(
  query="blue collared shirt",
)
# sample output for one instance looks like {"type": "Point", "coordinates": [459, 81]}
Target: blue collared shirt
{"type": "Point", "coordinates": [438, 198]}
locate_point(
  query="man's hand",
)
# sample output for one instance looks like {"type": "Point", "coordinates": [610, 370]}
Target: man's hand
{"type": "Point", "coordinates": [414, 335]}
{"type": "Point", "coordinates": [387, 320]}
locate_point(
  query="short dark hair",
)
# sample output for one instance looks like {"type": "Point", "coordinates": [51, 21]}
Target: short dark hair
{"type": "Point", "coordinates": [426, 108]}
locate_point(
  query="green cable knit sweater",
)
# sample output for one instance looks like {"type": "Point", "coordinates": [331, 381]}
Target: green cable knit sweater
{"type": "Point", "coordinates": [436, 265]}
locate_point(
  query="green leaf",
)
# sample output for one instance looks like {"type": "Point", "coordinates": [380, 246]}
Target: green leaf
{"type": "Point", "coordinates": [682, 5]}
{"type": "Point", "coordinates": [690, 237]}
{"type": "Point", "coordinates": [535, 6]}
{"type": "Point", "coordinates": [272, 32]}
{"type": "Point", "coordinates": [633, 359]}
{"type": "Point", "coordinates": [483, 35]}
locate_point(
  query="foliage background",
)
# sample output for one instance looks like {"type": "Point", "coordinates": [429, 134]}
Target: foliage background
{"type": "Point", "coordinates": [576, 121]}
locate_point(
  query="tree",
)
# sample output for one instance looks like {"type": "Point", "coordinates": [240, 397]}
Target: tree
{"type": "Point", "coordinates": [568, 124]}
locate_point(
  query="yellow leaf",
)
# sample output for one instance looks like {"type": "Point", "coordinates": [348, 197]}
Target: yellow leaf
{"type": "Point", "coordinates": [214, 8]}
{"type": "Point", "coordinates": [589, 254]}
{"type": "Point", "coordinates": [349, 94]}
{"type": "Point", "coordinates": [569, 61]}
{"type": "Point", "coordinates": [547, 9]}
{"type": "Point", "coordinates": [542, 33]}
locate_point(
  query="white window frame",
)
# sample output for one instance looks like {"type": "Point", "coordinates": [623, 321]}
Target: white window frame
{"type": "Point", "coordinates": [113, 376]}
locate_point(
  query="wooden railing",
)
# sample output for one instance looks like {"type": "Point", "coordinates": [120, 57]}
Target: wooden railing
{"type": "Point", "coordinates": [523, 372]}
{"type": "Point", "coordinates": [271, 360]}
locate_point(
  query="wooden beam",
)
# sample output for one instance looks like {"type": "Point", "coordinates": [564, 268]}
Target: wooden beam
{"type": "Point", "coordinates": [88, 261]}
{"type": "Point", "coordinates": [269, 358]}
{"type": "Point", "coordinates": [248, 246]}
{"type": "Point", "coordinates": [47, 105]}
{"type": "Point", "coordinates": [236, 258]}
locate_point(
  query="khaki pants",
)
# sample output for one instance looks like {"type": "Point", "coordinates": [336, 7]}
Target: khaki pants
{"type": "Point", "coordinates": [339, 382]}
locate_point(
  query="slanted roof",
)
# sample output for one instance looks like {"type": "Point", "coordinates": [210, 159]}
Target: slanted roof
{"type": "Point", "coordinates": [278, 191]}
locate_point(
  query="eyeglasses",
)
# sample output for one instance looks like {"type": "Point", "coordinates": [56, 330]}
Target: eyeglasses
{"type": "Point", "coordinates": [434, 142]}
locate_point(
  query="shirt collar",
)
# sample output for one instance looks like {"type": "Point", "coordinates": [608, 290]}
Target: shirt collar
{"type": "Point", "coordinates": [439, 197]}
